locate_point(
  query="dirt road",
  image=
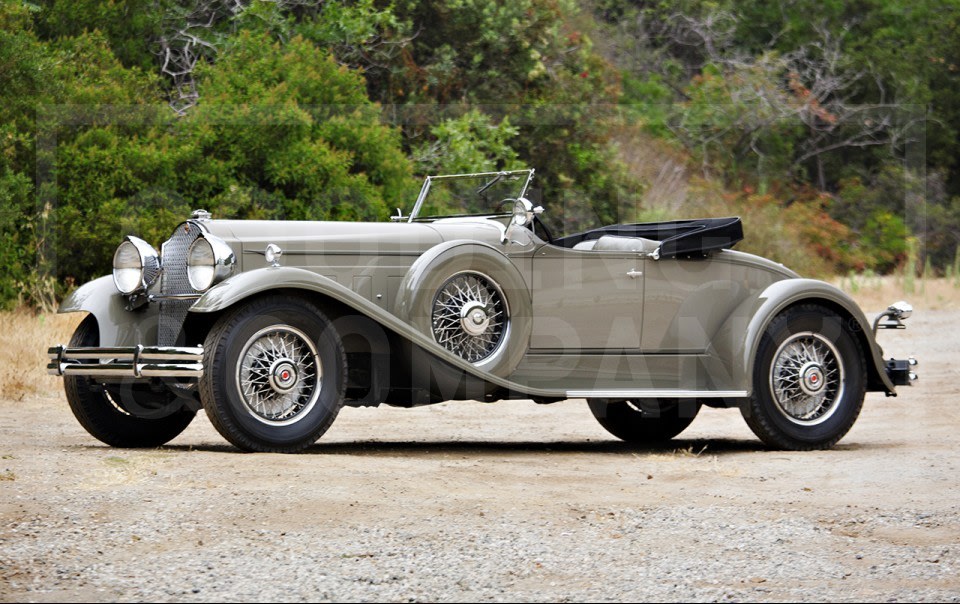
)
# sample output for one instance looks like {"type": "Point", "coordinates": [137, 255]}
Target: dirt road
{"type": "Point", "coordinates": [510, 501]}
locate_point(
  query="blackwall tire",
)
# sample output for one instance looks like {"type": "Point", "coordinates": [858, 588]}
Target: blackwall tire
{"type": "Point", "coordinates": [645, 420]}
{"type": "Point", "coordinates": [110, 416]}
{"type": "Point", "coordinates": [274, 375]}
{"type": "Point", "coordinates": [809, 380]}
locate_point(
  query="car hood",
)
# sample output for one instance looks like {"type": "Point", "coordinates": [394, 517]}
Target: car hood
{"type": "Point", "coordinates": [332, 237]}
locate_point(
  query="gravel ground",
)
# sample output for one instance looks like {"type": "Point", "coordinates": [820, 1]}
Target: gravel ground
{"type": "Point", "coordinates": [511, 501]}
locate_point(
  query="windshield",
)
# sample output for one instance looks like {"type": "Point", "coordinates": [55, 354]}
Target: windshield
{"type": "Point", "coordinates": [484, 193]}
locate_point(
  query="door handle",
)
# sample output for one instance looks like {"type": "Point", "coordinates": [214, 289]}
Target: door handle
{"type": "Point", "coordinates": [634, 273]}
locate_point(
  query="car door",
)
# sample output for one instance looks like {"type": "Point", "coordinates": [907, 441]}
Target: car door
{"type": "Point", "coordinates": [586, 300]}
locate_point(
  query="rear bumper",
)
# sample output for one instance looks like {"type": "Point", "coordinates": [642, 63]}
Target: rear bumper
{"type": "Point", "coordinates": [133, 361]}
{"type": "Point", "coordinates": [901, 371]}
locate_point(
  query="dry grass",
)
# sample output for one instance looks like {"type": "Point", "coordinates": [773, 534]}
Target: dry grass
{"type": "Point", "coordinates": [24, 339]}
{"type": "Point", "coordinates": [874, 293]}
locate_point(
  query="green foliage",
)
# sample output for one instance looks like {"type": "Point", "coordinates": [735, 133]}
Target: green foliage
{"type": "Point", "coordinates": [475, 50]}
{"type": "Point", "coordinates": [741, 121]}
{"type": "Point", "coordinates": [469, 143]}
{"type": "Point", "coordinates": [292, 121]}
{"type": "Point", "coordinates": [361, 34]}
{"type": "Point", "coordinates": [650, 102]}
{"type": "Point", "coordinates": [126, 24]}
{"type": "Point", "coordinates": [909, 45]}
{"type": "Point", "coordinates": [525, 59]}
{"type": "Point", "coordinates": [285, 125]}
{"type": "Point", "coordinates": [956, 268]}
{"type": "Point", "coordinates": [282, 132]}
{"type": "Point", "coordinates": [885, 240]}
{"type": "Point", "coordinates": [17, 246]}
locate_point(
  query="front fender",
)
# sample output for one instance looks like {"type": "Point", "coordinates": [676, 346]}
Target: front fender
{"type": "Point", "coordinates": [118, 326]}
{"type": "Point", "coordinates": [740, 336]}
{"type": "Point", "coordinates": [250, 283]}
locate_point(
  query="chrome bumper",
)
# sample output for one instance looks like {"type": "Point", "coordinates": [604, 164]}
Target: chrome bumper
{"type": "Point", "coordinates": [901, 371]}
{"type": "Point", "coordinates": [133, 361]}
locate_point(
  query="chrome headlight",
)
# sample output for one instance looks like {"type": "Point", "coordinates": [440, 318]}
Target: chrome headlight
{"type": "Point", "coordinates": [136, 266]}
{"type": "Point", "coordinates": [209, 261]}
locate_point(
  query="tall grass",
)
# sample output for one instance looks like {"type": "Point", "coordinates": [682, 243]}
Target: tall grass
{"type": "Point", "coordinates": [956, 268]}
{"type": "Point", "coordinates": [24, 338]}
{"type": "Point", "coordinates": [910, 267]}
{"type": "Point", "coordinates": [876, 293]}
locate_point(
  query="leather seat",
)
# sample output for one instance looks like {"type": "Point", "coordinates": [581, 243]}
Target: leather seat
{"type": "Point", "coordinates": [616, 243]}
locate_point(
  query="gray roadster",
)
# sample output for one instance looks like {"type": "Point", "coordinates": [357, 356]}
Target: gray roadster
{"type": "Point", "coordinates": [272, 327]}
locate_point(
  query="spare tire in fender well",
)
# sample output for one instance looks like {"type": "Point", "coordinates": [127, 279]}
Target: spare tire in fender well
{"type": "Point", "coordinates": [430, 272]}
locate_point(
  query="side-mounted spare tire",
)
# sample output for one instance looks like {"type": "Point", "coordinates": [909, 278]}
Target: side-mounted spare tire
{"type": "Point", "coordinates": [472, 301]}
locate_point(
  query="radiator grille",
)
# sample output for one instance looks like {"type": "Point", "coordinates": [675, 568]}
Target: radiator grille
{"type": "Point", "coordinates": [174, 281]}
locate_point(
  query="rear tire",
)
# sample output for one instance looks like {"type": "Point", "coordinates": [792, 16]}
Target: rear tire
{"type": "Point", "coordinates": [274, 375]}
{"type": "Point", "coordinates": [808, 380]}
{"type": "Point", "coordinates": [110, 417]}
{"type": "Point", "coordinates": [644, 420]}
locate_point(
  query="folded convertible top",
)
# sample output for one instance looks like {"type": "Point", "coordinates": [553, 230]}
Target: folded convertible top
{"type": "Point", "coordinates": [678, 238]}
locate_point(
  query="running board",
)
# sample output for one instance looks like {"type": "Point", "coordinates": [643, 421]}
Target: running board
{"type": "Point", "coordinates": [627, 393]}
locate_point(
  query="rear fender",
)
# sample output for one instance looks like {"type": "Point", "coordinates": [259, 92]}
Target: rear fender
{"type": "Point", "coordinates": [737, 341]}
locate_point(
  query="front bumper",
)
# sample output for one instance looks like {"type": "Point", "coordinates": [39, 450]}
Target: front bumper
{"type": "Point", "coordinates": [132, 362]}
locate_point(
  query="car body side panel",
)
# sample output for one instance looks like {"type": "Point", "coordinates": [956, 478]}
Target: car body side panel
{"type": "Point", "coordinates": [587, 300]}
{"type": "Point", "coordinates": [118, 326]}
{"type": "Point", "coordinates": [686, 301]}
{"type": "Point", "coordinates": [597, 370]}
{"type": "Point", "coordinates": [691, 382]}
{"type": "Point", "coordinates": [328, 237]}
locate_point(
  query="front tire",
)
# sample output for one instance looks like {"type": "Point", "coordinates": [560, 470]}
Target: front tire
{"type": "Point", "coordinates": [109, 414]}
{"type": "Point", "coordinates": [274, 375]}
{"type": "Point", "coordinates": [644, 420]}
{"type": "Point", "coordinates": [808, 380]}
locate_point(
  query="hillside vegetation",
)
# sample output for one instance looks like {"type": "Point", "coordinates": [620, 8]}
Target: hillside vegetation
{"type": "Point", "coordinates": [832, 129]}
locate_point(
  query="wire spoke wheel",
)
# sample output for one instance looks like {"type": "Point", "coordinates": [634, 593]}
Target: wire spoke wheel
{"type": "Point", "coordinates": [806, 378]}
{"type": "Point", "coordinates": [470, 317]}
{"type": "Point", "coordinates": [279, 375]}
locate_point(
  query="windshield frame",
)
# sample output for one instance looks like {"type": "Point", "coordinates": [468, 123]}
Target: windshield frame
{"type": "Point", "coordinates": [425, 189]}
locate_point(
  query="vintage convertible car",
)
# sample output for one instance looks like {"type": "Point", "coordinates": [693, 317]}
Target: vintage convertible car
{"type": "Point", "coordinates": [272, 327]}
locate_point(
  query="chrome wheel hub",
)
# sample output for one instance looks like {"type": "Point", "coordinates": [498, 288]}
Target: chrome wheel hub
{"type": "Point", "coordinates": [283, 376]}
{"type": "Point", "coordinates": [474, 318]}
{"type": "Point", "coordinates": [811, 379]}
{"type": "Point", "coordinates": [470, 316]}
{"type": "Point", "coordinates": [279, 375]}
{"type": "Point", "coordinates": [806, 378]}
